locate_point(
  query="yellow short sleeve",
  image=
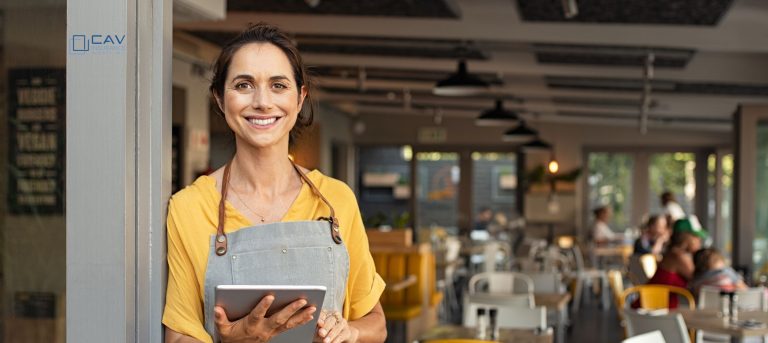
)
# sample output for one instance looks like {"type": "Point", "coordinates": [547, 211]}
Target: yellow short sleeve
{"type": "Point", "coordinates": [183, 307]}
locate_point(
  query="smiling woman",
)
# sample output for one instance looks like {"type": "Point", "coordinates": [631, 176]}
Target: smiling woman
{"type": "Point", "coordinates": [309, 230]}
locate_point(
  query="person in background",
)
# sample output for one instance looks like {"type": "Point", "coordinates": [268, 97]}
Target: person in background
{"type": "Point", "coordinates": [711, 270]}
{"type": "Point", "coordinates": [676, 267]}
{"type": "Point", "coordinates": [483, 219]}
{"type": "Point", "coordinates": [671, 208]}
{"type": "Point", "coordinates": [601, 232]}
{"type": "Point", "coordinates": [655, 235]}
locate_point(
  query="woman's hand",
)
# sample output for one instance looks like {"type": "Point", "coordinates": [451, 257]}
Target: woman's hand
{"type": "Point", "coordinates": [256, 327]}
{"type": "Point", "coordinates": [333, 328]}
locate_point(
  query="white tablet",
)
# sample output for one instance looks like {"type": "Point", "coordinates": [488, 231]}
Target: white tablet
{"type": "Point", "coordinates": [239, 300]}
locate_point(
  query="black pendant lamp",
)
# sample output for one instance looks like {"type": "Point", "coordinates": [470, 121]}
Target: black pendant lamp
{"type": "Point", "coordinates": [536, 145]}
{"type": "Point", "coordinates": [496, 116]}
{"type": "Point", "coordinates": [520, 133]}
{"type": "Point", "coordinates": [460, 83]}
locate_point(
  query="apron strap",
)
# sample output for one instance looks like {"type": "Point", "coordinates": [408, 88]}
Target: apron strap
{"type": "Point", "coordinates": [221, 237]}
{"type": "Point", "coordinates": [335, 234]}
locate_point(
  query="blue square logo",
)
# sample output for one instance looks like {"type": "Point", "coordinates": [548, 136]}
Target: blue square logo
{"type": "Point", "coordinates": [80, 43]}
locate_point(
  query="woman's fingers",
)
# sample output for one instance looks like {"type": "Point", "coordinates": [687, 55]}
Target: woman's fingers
{"type": "Point", "coordinates": [260, 310]}
{"type": "Point", "coordinates": [335, 332]}
{"type": "Point", "coordinates": [281, 317]}
{"type": "Point", "coordinates": [300, 318]}
{"type": "Point", "coordinates": [330, 322]}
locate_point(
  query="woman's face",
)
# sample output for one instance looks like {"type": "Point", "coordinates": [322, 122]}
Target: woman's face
{"type": "Point", "coordinates": [261, 101]}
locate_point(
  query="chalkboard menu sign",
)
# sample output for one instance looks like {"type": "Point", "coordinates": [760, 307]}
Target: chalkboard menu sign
{"type": "Point", "coordinates": [36, 107]}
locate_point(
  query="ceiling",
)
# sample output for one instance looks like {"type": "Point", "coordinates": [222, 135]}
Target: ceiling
{"type": "Point", "coordinates": [385, 56]}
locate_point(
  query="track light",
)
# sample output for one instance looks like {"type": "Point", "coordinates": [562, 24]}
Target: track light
{"type": "Point", "coordinates": [520, 133]}
{"type": "Point", "coordinates": [460, 83]}
{"type": "Point", "coordinates": [570, 8]}
{"type": "Point", "coordinates": [496, 116]}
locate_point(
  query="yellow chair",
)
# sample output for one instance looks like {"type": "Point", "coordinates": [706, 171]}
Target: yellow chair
{"type": "Point", "coordinates": [616, 283]}
{"type": "Point", "coordinates": [453, 340]}
{"type": "Point", "coordinates": [411, 296]}
{"type": "Point", "coordinates": [656, 296]}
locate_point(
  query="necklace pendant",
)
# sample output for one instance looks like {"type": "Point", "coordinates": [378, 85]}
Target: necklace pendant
{"type": "Point", "coordinates": [262, 220]}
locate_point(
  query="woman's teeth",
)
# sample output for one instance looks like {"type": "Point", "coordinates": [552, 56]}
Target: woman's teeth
{"type": "Point", "coordinates": [262, 121]}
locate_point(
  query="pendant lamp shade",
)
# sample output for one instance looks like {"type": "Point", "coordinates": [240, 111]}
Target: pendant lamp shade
{"type": "Point", "coordinates": [536, 145]}
{"type": "Point", "coordinates": [520, 133]}
{"type": "Point", "coordinates": [496, 116]}
{"type": "Point", "coordinates": [460, 83]}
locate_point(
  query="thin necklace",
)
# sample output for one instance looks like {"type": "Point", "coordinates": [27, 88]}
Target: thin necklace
{"type": "Point", "coordinates": [245, 203]}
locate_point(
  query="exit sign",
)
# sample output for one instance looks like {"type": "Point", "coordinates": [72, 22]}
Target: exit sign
{"type": "Point", "coordinates": [432, 135]}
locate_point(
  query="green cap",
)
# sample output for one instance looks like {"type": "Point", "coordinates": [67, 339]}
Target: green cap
{"type": "Point", "coordinates": [691, 225]}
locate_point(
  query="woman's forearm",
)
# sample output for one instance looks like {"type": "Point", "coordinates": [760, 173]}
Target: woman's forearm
{"type": "Point", "coordinates": [372, 327]}
{"type": "Point", "coordinates": [172, 336]}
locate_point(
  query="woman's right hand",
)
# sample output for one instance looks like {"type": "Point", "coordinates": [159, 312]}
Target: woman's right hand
{"type": "Point", "coordinates": [257, 327]}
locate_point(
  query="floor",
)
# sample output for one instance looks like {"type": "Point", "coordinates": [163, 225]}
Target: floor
{"type": "Point", "coordinates": [593, 324]}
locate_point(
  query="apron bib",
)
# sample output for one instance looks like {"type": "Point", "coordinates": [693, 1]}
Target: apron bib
{"type": "Point", "coordinates": [284, 253]}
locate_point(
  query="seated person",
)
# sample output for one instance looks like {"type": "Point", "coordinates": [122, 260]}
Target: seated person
{"type": "Point", "coordinates": [655, 235]}
{"type": "Point", "coordinates": [676, 267]}
{"type": "Point", "coordinates": [601, 232]}
{"type": "Point", "coordinates": [711, 270]}
{"type": "Point", "coordinates": [480, 229]}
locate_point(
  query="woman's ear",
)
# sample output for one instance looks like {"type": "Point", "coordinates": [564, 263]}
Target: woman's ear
{"type": "Point", "coordinates": [219, 103]}
{"type": "Point", "coordinates": [302, 96]}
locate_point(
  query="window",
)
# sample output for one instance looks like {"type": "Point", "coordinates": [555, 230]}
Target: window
{"type": "Point", "coordinates": [610, 184]}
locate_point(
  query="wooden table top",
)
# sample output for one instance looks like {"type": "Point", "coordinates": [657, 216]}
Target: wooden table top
{"type": "Point", "coordinates": [506, 335]}
{"type": "Point", "coordinates": [552, 300]}
{"type": "Point", "coordinates": [710, 320]}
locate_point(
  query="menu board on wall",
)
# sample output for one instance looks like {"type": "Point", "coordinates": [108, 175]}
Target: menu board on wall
{"type": "Point", "coordinates": [36, 142]}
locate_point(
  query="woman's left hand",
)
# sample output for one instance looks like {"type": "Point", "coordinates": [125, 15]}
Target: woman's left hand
{"type": "Point", "coordinates": [333, 328]}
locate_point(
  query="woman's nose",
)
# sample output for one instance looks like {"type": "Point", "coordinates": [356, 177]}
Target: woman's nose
{"type": "Point", "coordinates": [262, 99]}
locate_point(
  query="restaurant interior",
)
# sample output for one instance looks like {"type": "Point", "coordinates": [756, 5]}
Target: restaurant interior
{"type": "Point", "coordinates": [482, 139]}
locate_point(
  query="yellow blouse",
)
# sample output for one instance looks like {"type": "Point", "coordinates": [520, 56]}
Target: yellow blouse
{"type": "Point", "coordinates": [193, 217]}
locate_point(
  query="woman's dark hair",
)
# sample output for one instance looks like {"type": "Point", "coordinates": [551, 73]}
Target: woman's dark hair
{"type": "Point", "coordinates": [599, 211]}
{"type": "Point", "coordinates": [652, 220]}
{"type": "Point", "coordinates": [265, 33]}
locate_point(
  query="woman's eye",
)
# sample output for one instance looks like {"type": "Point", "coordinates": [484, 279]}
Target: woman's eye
{"type": "Point", "coordinates": [279, 86]}
{"type": "Point", "coordinates": [243, 85]}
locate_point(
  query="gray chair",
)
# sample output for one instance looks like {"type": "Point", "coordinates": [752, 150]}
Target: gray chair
{"type": "Point", "coordinates": [672, 326]}
{"type": "Point", "coordinates": [648, 337]}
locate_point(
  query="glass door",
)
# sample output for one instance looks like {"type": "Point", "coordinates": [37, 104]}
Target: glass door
{"type": "Point", "coordinates": [609, 184]}
{"type": "Point", "coordinates": [674, 173]}
{"type": "Point", "coordinates": [437, 193]}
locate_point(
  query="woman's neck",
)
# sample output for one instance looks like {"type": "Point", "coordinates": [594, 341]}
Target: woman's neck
{"type": "Point", "coordinates": [267, 172]}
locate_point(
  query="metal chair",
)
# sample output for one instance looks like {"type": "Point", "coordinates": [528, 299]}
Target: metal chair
{"type": "Point", "coordinates": [672, 326]}
{"type": "Point", "coordinates": [648, 337]}
{"type": "Point", "coordinates": [500, 282]}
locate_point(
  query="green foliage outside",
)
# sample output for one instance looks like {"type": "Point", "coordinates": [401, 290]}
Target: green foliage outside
{"type": "Point", "coordinates": [610, 184]}
{"type": "Point", "coordinates": [671, 172]}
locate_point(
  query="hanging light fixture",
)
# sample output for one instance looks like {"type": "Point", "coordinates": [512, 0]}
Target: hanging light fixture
{"type": "Point", "coordinates": [496, 116]}
{"type": "Point", "coordinates": [553, 166]}
{"type": "Point", "coordinates": [460, 83]}
{"type": "Point", "coordinates": [536, 145]}
{"type": "Point", "coordinates": [520, 133]}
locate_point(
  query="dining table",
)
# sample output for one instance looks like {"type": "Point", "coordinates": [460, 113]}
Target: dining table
{"type": "Point", "coordinates": [505, 335]}
{"type": "Point", "coordinates": [554, 302]}
{"type": "Point", "coordinates": [713, 321]}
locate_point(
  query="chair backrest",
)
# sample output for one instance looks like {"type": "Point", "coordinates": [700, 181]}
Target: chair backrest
{"type": "Point", "coordinates": [511, 317]}
{"type": "Point", "coordinates": [656, 296]}
{"type": "Point", "coordinates": [458, 340]}
{"type": "Point", "coordinates": [636, 272]}
{"type": "Point", "coordinates": [500, 282]}
{"type": "Point", "coordinates": [616, 283]}
{"type": "Point", "coordinates": [648, 337]}
{"type": "Point", "coordinates": [751, 299]}
{"type": "Point", "coordinates": [649, 264]}
{"type": "Point", "coordinates": [547, 282]}
{"type": "Point", "coordinates": [672, 326]}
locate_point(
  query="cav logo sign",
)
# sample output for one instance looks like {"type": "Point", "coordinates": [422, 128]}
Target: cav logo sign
{"type": "Point", "coordinates": [97, 43]}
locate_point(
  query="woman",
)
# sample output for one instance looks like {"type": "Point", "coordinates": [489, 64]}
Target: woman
{"type": "Point", "coordinates": [262, 219]}
{"type": "Point", "coordinates": [655, 235]}
{"type": "Point", "coordinates": [601, 232]}
{"type": "Point", "coordinates": [676, 267]}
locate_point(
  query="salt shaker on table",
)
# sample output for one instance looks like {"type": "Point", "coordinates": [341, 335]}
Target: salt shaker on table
{"type": "Point", "coordinates": [482, 324]}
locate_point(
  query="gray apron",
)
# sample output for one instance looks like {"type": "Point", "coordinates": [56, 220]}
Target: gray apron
{"type": "Point", "coordinates": [284, 253]}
